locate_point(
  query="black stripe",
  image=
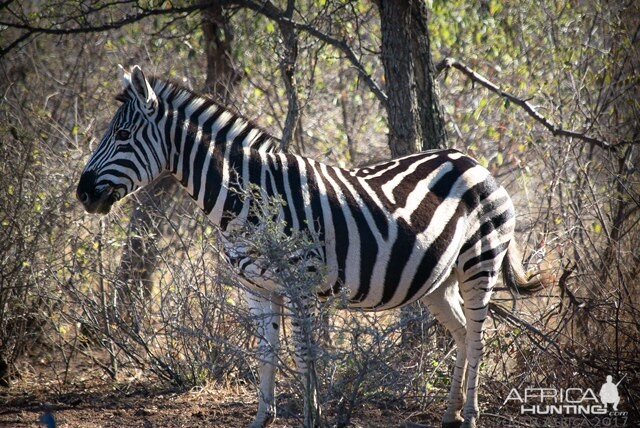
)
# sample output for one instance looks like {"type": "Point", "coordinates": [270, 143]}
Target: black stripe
{"type": "Point", "coordinates": [192, 131]}
{"type": "Point", "coordinates": [400, 253]}
{"type": "Point", "coordinates": [213, 182]}
{"type": "Point", "coordinates": [115, 173]}
{"type": "Point", "coordinates": [423, 214]}
{"type": "Point", "coordinates": [433, 255]}
{"type": "Point", "coordinates": [203, 148]}
{"type": "Point", "coordinates": [486, 228]}
{"type": "Point", "coordinates": [255, 165]}
{"type": "Point", "coordinates": [259, 140]}
{"type": "Point", "coordinates": [483, 274]}
{"type": "Point", "coordinates": [377, 213]}
{"type": "Point", "coordinates": [268, 181]}
{"type": "Point", "coordinates": [207, 126]}
{"type": "Point", "coordinates": [139, 162]}
{"type": "Point", "coordinates": [341, 235]}
{"type": "Point", "coordinates": [125, 163]}
{"type": "Point", "coordinates": [487, 255]}
{"type": "Point", "coordinates": [154, 138]}
{"type": "Point", "coordinates": [478, 193]}
{"type": "Point", "coordinates": [368, 246]}
{"type": "Point", "coordinates": [198, 170]}
{"type": "Point", "coordinates": [180, 120]}
{"type": "Point", "coordinates": [170, 120]}
{"type": "Point", "coordinates": [233, 202]}
{"type": "Point", "coordinates": [221, 135]}
{"type": "Point", "coordinates": [277, 170]}
{"type": "Point", "coordinates": [317, 214]}
{"type": "Point", "coordinates": [242, 135]}
{"type": "Point", "coordinates": [408, 184]}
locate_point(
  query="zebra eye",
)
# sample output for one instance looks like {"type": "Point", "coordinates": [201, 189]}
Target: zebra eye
{"type": "Point", "coordinates": [122, 135]}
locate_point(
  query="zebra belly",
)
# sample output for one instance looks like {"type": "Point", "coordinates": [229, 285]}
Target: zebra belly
{"type": "Point", "coordinates": [386, 290]}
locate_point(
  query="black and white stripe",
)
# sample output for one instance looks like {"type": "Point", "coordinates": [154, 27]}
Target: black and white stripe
{"type": "Point", "coordinates": [433, 225]}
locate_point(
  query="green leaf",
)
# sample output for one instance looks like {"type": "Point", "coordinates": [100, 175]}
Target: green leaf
{"type": "Point", "coordinates": [597, 228]}
{"type": "Point", "coordinates": [271, 27]}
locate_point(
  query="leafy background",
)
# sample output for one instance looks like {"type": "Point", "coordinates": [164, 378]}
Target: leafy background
{"type": "Point", "coordinates": [578, 204]}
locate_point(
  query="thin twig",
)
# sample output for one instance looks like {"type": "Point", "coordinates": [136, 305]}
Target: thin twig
{"type": "Point", "coordinates": [270, 11]}
{"type": "Point", "coordinates": [31, 30]}
{"type": "Point", "coordinates": [556, 130]}
{"type": "Point", "coordinates": [511, 318]}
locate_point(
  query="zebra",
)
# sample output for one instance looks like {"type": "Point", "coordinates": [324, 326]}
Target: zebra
{"type": "Point", "coordinates": [434, 226]}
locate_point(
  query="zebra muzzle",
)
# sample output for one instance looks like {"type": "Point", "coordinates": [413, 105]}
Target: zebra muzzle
{"type": "Point", "coordinates": [95, 199]}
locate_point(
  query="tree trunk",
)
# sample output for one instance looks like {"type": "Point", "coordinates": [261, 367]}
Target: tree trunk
{"type": "Point", "coordinates": [222, 75]}
{"type": "Point", "coordinates": [288, 64]}
{"type": "Point", "coordinates": [414, 114]}
{"type": "Point", "coordinates": [430, 117]}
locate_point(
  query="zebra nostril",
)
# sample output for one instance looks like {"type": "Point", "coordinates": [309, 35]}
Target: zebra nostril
{"type": "Point", "coordinates": [84, 197]}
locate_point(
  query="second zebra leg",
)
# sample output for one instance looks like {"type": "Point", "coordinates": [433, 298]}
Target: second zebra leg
{"type": "Point", "coordinates": [444, 305]}
{"type": "Point", "coordinates": [476, 294]}
{"type": "Point", "coordinates": [302, 310]}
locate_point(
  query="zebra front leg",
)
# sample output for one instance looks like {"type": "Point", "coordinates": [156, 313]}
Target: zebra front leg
{"type": "Point", "coordinates": [444, 305]}
{"type": "Point", "coordinates": [302, 311]}
{"type": "Point", "coordinates": [267, 313]}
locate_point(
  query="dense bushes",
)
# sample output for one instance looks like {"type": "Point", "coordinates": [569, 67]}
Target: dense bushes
{"type": "Point", "coordinates": [578, 205]}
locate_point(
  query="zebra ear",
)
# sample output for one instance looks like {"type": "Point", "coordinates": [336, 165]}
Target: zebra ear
{"type": "Point", "coordinates": [142, 88]}
{"type": "Point", "coordinates": [125, 77]}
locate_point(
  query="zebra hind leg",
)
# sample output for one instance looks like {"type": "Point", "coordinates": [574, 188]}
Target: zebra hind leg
{"type": "Point", "coordinates": [444, 304]}
{"type": "Point", "coordinates": [476, 294]}
{"type": "Point", "coordinates": [267, 312]}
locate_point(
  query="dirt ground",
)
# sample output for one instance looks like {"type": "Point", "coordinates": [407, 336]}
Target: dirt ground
{"type": "Point", "coordinates": [146, 408]}
{"type": "Point", "coordinates": [85, 399]}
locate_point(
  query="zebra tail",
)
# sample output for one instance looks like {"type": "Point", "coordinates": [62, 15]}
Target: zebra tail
{"type": "Point", "coordinates": [514, 275]}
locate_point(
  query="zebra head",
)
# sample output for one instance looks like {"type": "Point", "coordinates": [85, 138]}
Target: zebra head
{"type": "Point", "coordinates": [131, 153]}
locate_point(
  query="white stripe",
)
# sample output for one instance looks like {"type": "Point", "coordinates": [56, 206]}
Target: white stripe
{"type": "Point", "coordinates": [216, 213]}
{"type": "Point", "coordinates": [420, 191]}
{"type": "Point", "coordinates": [329, 230]}
{"type": "Point", "coordinates": [391, 185]}
{"type": "Point", "coordinates": [196, 144]}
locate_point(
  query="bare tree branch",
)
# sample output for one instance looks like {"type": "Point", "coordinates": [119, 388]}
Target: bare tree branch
{"type": "Point", "coordinates": [350, 55]}
{"type": "Point", "coordinates": [265, 8]}
{"type": "Point", "coordinates": [509, 317]}
{"type": "Point", "coordinates": [272, 12]}
{"type": "Point", "coordinates": [556, 130]}
{"type": "Point", "coordinates": [288, 70]}
{"type": "Point", "coordinates": [30, 30]}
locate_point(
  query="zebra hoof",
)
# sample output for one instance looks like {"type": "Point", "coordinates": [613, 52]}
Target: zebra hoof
{"type": "Point", "coordinates": [456, 423]}
{"type": "Point", "coordinates": [469, 424]}
{"type": "Point", "coordinates": [262, 421]}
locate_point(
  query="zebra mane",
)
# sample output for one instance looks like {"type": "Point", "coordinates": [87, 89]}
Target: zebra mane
{"type": "Point", "coordinates": [169, 89]}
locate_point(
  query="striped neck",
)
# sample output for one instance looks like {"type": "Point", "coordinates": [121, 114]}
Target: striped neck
{"type": "Point", "coordinates": [201, 137]}
{"type": "Point", "coordinates": [191, 118]}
